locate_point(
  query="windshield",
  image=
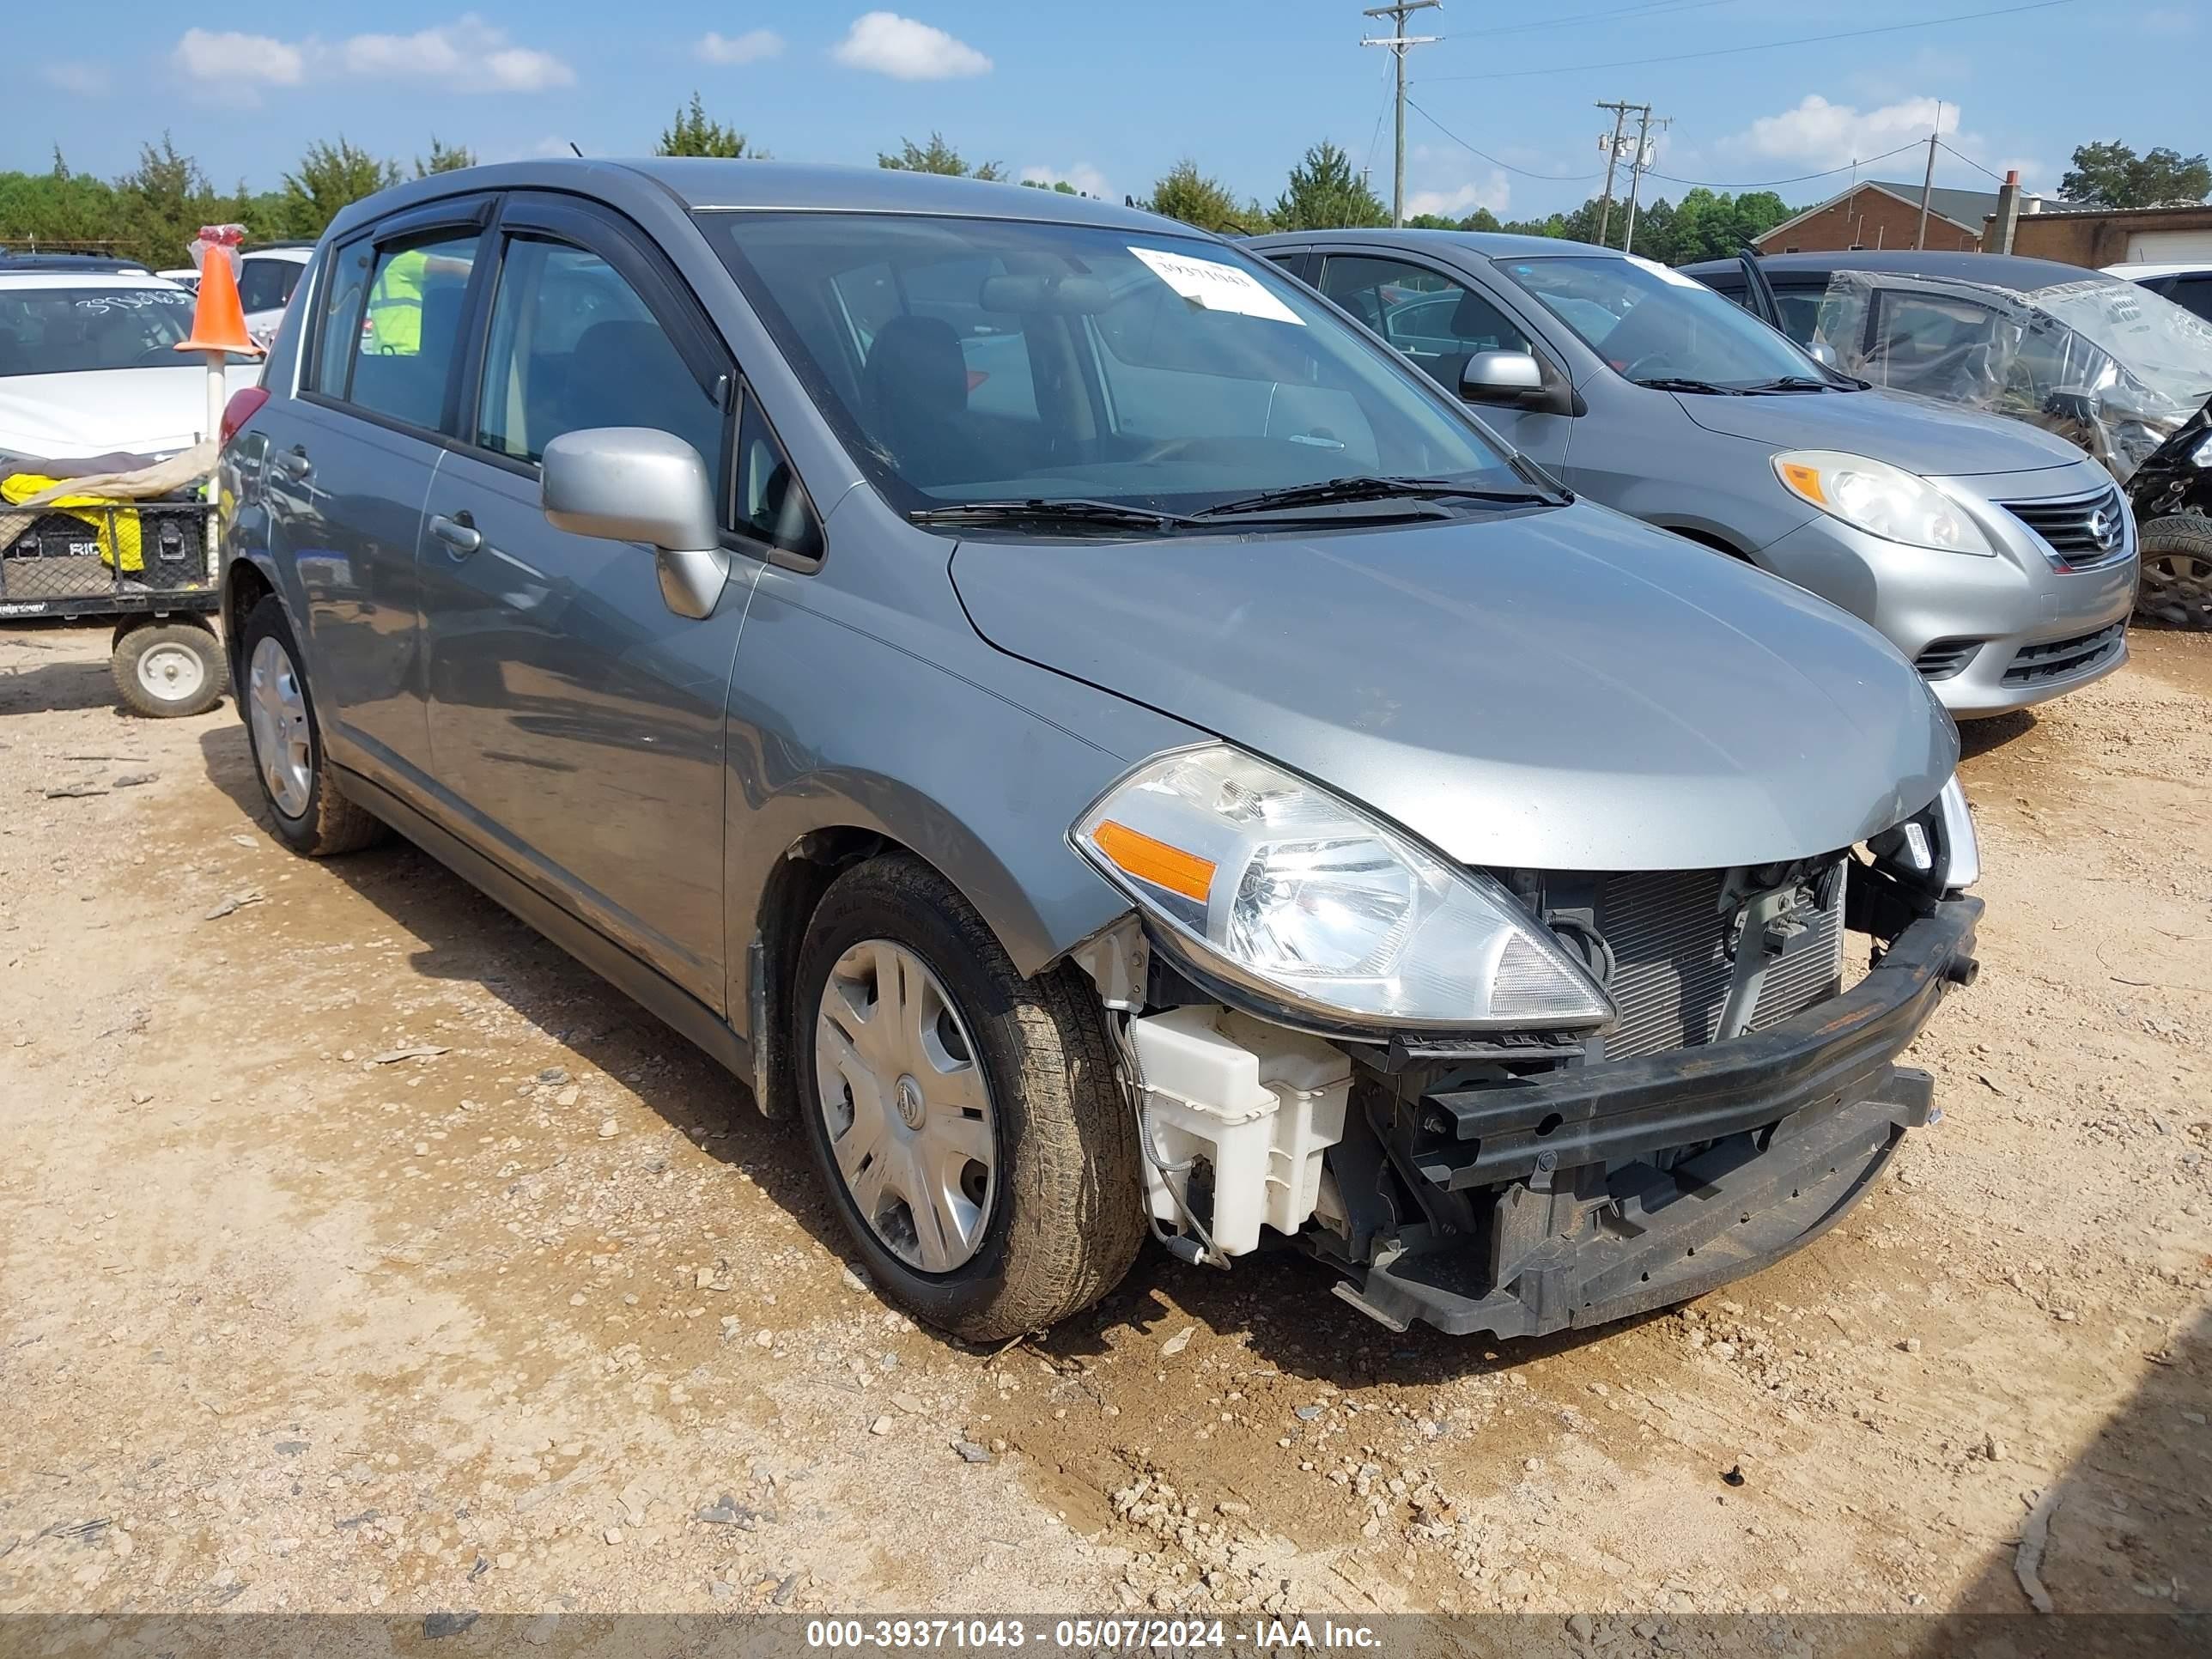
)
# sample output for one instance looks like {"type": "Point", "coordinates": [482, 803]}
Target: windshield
{"type": "Point", "coordinates": [65, 331]}
{"type": "Point", "coordinates": [1652, 324]}
{"type": "Point", "coordinates": [2167, 349]}
{"type": "Point", "coordinates": [976, 361]}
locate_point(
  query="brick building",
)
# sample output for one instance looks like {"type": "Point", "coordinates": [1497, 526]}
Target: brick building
{"type": "Point", "coordinates": [1886, 216]}
{"type": "Point", "coordinates": [2098, 237]}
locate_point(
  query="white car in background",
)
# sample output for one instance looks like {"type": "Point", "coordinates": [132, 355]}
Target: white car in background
{"type": "Point", "coordinates": [88, 365]}
{"type": "Point", "coordinates": [2189, 286]}
{"type": "Point", "coordinates": [266, 277]}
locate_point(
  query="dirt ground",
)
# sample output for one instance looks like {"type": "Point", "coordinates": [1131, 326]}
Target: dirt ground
{"type": "Point", "coordinates": [547, 1320]}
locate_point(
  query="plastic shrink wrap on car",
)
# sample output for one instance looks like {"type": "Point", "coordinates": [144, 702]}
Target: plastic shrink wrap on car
{"type": "Point", "coordinates": [2104, 363]}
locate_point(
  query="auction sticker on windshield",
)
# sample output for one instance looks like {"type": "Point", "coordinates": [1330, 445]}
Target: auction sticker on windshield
{"type": "Point", "coordinates": [1216, 286]}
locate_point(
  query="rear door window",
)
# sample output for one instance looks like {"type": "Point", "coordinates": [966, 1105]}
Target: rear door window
{"type": "Point", "coordinates": [339, 344]}
{"type": "Point", "coordinates": [411, 328]}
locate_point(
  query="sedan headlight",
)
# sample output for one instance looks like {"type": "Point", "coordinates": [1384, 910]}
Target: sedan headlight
{"type": "Point", "coordinates": [1935, 847]}
{"type": "Point", "coordinates": [1277, 885]}
{"type": "Point", "coordinates": [1880, 499]}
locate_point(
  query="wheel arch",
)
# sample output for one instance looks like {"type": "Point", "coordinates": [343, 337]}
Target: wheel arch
{"type": "Point", "coordinates": [245, 584]}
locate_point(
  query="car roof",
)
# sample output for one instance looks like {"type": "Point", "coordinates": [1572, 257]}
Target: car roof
{"type": "Point", "coordinates": [68, 262]}
{"type": "Point", "coordinates": [702, 183]}
{"type": "Point", "coordinates": [2011, 271]}
{"type": "Point", "coordinates": [17, 281]}
{"type": "Point", "coordinates": [296, 253]}
{"type": "Point", "coordinates": [1490, 244]}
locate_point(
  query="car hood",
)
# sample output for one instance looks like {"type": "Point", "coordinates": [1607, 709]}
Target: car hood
{"type": "Point", "coordinates": [147, 411]}
{"type": "Point", "coordinates": [1936, 440]}
{"type": "Point", "coordinates": [1565, 690]}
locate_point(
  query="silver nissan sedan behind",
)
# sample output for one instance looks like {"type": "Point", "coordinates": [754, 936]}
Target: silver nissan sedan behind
{"type": "Point", "coordinates": [1095, 737]}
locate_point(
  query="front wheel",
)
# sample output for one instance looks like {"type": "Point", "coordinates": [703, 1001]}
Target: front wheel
{"type": "Point", "coordinates": [2176, 588]}
{"type": "Point", "coordinates": [280, 727]}
{"type": "Point", "coordinates": [967, 1121]}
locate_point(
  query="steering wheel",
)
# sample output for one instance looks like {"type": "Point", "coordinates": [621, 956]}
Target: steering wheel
{"type": "Point", "coordinates": [1170, 449]}
{"type": "Point", "coordinates": [1648, 359]}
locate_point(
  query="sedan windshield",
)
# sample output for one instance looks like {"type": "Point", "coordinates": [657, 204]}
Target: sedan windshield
{"type": "Point", "coordinates": [66, 331]}
{"type": "Point", "coordinates": [1653, 324]}
{"type": "Point", "coordinates": [1011, 363]}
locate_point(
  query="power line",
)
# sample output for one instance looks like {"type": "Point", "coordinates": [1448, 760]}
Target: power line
{"type": "Point", "coordinates": [1973, 163]}
{"type": "Point", "coordinates": [1550, 177]}
{"type": "Point", "coordinates": [1612, 148]}
{"type": "Point", "coordinates": [1632, 14]}
{"type": "Point", "coordinates": [1769, 45]}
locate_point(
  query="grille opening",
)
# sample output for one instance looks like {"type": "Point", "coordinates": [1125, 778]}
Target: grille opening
{"type": "Point", "coordinates": [2058, 659]}
{"type": "Point", "coordinates": [1947, 659]}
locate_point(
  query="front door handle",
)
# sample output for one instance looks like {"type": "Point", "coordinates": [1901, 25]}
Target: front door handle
{"type": "Point", "coordinates": [457, 533]}
{"type": "Point", "coordinates": [294, 463]}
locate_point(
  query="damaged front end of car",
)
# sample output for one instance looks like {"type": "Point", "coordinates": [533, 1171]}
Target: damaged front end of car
{"type": "Point", "coordinates": [1670, 1079]}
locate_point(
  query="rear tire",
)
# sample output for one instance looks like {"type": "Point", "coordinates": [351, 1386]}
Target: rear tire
{"type": "Point", "coordinates": [165, 670]}
{"type": "Point", "coordinates": [2176, 586]}
{"type": "Point", "coordinates": [286, 744]}
{"type": "Point", "coordinates": [1043, 1211]}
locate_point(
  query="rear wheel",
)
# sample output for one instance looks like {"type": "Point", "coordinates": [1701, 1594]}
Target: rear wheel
{"type": "Point", "coordinates": [2176, 588]}
{"type": "Point", "coordinates": [165, 669]}
{"type": "Point", "coordinates": [966, 1121]}
{"type": "Point", "coordinates": [310, 816]}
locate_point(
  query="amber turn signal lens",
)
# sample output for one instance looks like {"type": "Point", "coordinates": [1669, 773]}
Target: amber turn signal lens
{"type": "Point", "coordinates": [1806, 481]}
{"type": "Point", "coordinates": [1169, 868]}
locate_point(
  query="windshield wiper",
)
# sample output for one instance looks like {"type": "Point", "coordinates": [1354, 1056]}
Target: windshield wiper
{"type": "Point", "coordinates": [1679, 383]}
{"type": "Point", "coordinates": [1362, 489]}
{"type": "Point", "coordinates": [1111, 515]}
{"type": "Point", "coordinates": [1792, 383]}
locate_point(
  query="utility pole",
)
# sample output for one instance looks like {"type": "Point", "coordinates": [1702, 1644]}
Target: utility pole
{"type": "Point", "coordinates": [1928, 184]}
{"type": "Point", "coordinates": [1643, 158]}
{"type": "Point", "coordinates": [1398, 41]}
{"type": "Point", "coordinates": [1612, 148]}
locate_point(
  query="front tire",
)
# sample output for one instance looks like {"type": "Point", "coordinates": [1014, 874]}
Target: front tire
{"type": "Point", "coordinates": [166, 671]}
{"type": "Point", "coordinates": [286, 741]}
{"type": "Point", "coordinates": [966, 1122]}
{"type": "Point", "coordinates": [2176, 586]}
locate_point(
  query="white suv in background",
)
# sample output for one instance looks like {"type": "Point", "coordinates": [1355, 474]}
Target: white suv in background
{"type": "Point", "coordinates": [2189, 286]}
{"type": "Point", "coordinates": [266, 277]}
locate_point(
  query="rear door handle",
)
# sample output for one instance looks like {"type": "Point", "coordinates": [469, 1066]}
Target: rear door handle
{"type": "Point", "coordinates": [293, 463]}
{"type": "Point", "coordinates": [457, 533]}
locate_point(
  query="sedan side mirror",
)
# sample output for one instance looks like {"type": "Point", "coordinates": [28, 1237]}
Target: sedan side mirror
{"type": "Point", "coordinates": [1824, 353]}
{"type": "Point", "coordinates": [633, 483]}
{"type": "Point", "coordinates": [1515, 379]}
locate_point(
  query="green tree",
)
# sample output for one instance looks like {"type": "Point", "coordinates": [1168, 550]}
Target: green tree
{"type": "Point", "coordinates": [694, 132]}
{"type": "Point", "coordinates": [1058, 186]}
{"type": "Point", "coordinates": [444, 158]}
{"type": "Point", "coordinates": [2111, 174]}
{"type": "Point", "coordinates": [1197, 198]}
{"type": "Point", "coordinates": [1325, 194]}
{"type": "Point", "coordinates": [331, 178]}
{"type": "Point", "coordinates": [937, 157]}
{"type": "Point", "coordinates": [57, 209]}
{"type": "Point", "coordinates": [160, 204]}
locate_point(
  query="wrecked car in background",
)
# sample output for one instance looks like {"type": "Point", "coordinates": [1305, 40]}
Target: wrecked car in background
{"type": "Point", "coordinates": [1095, 735]}
{"type": "Point", "coordinates": [2117, 369]}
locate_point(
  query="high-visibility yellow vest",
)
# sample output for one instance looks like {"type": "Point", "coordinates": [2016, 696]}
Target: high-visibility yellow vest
{"type": "Point", "coordinates": [395, 306]}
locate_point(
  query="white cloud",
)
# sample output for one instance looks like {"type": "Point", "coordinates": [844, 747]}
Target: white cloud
{"type": "Point", "coordinates": [237, 59]}
{"type": "Point", "coordinates": [467, 55]}
{"type": "Point", "coordinates": [750, 47]}
{"type": "Point", "coordinates": [1081, 176]}
{"type": "Point", "coordinates": [86, 80]}
{"type": "Point", "coordinates": [887, 43]}
{"type": "Point", "coordinates": [1819, 134]}
{"type": "Point", "coordinates": [1493, 192]}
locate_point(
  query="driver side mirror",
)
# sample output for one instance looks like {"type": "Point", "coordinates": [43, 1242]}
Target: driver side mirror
{"type": "Point", "coordinates": [633, 483]}
{"type": "Point", "coordinates": [1823, 354]}
{"type": "Point", "coordinates": [1515, 379]}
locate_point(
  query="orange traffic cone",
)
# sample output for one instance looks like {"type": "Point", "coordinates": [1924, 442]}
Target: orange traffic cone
{"type": "Point", "coordinates": [218, 319]}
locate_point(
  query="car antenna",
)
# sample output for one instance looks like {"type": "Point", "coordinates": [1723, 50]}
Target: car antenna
{"type": "Point", "coordinates": [573, 151]}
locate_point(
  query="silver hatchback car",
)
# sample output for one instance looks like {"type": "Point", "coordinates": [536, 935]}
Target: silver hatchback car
{"type": "Point", "coordinates": [2000, 560]}
{"type": "Point", "coordinates": [1094, 736]}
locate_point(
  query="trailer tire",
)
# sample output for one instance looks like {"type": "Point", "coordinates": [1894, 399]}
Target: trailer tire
{"type": "Point", "coordinates": [166, 670]}
{"type": "Point", "coordinates": [2176, 586]}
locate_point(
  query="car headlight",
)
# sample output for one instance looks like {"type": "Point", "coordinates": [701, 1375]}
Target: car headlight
{"type": "Point", "coordinates": [1880, 499]}
{"type": "Point", "coordinates": [1275, 884]}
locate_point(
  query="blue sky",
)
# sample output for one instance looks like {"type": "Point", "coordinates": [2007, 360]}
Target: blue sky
{"type": "Point", "coordinates": [1110, 95]}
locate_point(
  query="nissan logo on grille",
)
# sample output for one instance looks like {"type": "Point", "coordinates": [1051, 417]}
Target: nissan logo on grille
{"type": "Point", "coordinates": [2105, 529]}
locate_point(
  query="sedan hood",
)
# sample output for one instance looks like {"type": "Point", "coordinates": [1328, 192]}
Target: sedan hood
{"type": "Point", "coordinates": [1565, 690]}
{"type": "Point", "coordinates": [1937, 440]}
{"type": "Point", "coordinates": [146, 411]}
